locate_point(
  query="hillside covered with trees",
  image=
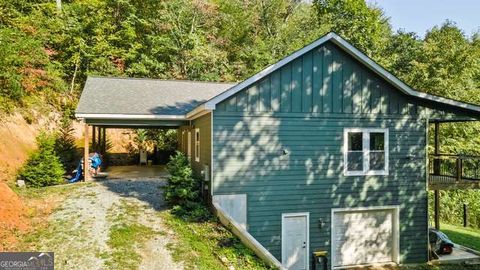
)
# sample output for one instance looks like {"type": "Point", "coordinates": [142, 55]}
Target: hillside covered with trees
{"type": "Point", "coordinates": [47, 50]}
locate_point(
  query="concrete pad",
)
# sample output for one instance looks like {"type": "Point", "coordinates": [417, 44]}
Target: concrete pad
{"type": "Point", "coordinates": [132, 172]}
{"type": "Point", "coordinates": [458, 254]}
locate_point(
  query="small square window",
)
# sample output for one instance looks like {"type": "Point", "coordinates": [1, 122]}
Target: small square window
{"type": "Point", "coordinates": [366, 151]}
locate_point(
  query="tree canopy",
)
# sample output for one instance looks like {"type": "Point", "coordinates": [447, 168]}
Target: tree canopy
{"type": "Point", "coordinates": [47, 53]}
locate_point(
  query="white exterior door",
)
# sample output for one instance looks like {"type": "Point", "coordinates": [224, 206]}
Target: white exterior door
{"type": "Point", "coordinates": [295, 241]}
{"type": "Point", "coordinates": [364, 237]}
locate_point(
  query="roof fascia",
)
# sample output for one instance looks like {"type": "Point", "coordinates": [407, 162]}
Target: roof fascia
{"type": "Point", "coordinates": [129, 116]}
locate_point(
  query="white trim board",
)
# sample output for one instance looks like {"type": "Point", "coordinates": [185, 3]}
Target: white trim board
{"type": "Point", "coordinates": [235, 205]}
{"type": "Point", "coordinates": [396, 230]}
{"type": "Point", "coordinates": [307, 216]}
{"type": "Point", "coordinates": [246, 237]}
{"type": "Point", "coordinates": [348, 48]}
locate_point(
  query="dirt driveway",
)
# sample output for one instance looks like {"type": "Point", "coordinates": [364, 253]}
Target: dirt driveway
{"type": "Point", "coordinates": [113, 224]}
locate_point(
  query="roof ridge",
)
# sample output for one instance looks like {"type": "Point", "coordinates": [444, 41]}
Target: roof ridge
{"type": "Point", "coordinates": [161, 80]}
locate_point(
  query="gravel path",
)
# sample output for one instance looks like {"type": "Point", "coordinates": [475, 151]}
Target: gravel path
{"type": "Point", "coordinates": [80, 231]}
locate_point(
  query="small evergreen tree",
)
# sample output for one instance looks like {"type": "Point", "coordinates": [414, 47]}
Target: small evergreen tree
{"type": "Point", "coordinates": [43, 167]}
{"type": "Point", "coordinates": [182, 191]}
{"type": "Point", "coordinates": [65, 146]}
{"type": "Point", "coordinates": [181, 187]}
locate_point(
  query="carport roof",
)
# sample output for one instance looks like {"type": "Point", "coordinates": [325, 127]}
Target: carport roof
{"type": "Point", "coordinates": [130, 98]}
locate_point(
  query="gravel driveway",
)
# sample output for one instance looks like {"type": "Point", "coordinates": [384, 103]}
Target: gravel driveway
{"type": "Point", "coordinates": [111, 224]}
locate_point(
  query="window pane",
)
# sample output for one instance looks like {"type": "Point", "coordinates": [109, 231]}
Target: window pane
{"type": "Point", "coordinates": [355, 141]}
{"type": "Point", "coordinates": [377, 161]}
{"type": "Point", "coordinates": [355, 161]}
{"type": "Point", "coordinates": [377, 141]}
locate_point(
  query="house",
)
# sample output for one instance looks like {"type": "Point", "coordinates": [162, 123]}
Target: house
{"type": "Point", "coordinates": [324, 150]}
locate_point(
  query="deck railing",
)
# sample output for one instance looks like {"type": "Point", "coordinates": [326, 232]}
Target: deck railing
{"type": "Point", "coordinates": [453, 169]}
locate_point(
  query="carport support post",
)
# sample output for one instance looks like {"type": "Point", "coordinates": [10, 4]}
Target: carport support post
{"type": "Point", "coordinates": [99, 140]}
{"type": "Point", "coordinates": [104, 141]}
{"type": "Point", "coordinates": [93, 137]}
{"type": "Point", "coordinates": [85, 155]}
{"type": "Point", "coordinates": [436, 168]}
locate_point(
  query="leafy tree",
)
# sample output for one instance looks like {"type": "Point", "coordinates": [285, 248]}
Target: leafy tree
{"type": "Point", "coordinates": [43, 167]}
{"type": "Point", "coordinates": [363, 25]}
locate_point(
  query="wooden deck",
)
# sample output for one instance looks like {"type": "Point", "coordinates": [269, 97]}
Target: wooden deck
{"type": "Point", "coordinates": [454, 172]}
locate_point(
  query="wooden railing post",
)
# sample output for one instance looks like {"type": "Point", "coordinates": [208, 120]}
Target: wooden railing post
{"type": "Point", "coordinates": [459, 168]}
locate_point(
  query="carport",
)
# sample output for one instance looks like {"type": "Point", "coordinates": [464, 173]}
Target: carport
{"type": "Point", "coordinates": [137, 103]}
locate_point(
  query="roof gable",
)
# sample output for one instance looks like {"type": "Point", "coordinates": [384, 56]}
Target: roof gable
{"type": "Point", "coordinates": [324, 80]}
{"type": "Point", "coordinates": [353, 52]}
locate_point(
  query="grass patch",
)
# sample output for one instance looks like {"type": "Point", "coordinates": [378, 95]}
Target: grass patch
{"type": "Point", "coordinates": [208, 245]}
{"type": "Point", "coordinates": [125, 236]}
{"type": "Point", "coordinates": [468, 237]}
{"type": "Point", "coordinates": [32, 193]}
{"type": "Point", "coordinates": [438, 267]}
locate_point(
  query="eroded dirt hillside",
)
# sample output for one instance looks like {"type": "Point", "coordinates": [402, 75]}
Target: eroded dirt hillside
{"type": "Point", "coordinates": [17, 141]}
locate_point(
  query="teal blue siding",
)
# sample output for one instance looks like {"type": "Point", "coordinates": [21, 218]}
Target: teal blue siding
{"type": "Point", "coordinates": [303, 108]}
{"type": "Point", "coordinates": [248, 159]}
{"type": "Point", "coordinates": [325, 80]}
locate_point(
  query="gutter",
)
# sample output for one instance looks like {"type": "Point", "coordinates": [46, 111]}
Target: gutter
{"type": "Point", "coordinates": [129, 116]}
{"type": "Point", "coordinates": [198, 111]}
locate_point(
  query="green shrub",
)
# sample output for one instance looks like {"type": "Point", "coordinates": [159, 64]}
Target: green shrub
{"type": "Point", "coordinates": [182, 189]}
{"type": "Point", "coordinates": [43, 168]}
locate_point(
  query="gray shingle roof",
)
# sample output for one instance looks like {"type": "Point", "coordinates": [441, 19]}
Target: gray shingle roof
{"type": "Point", "coordinates": [102, 95]}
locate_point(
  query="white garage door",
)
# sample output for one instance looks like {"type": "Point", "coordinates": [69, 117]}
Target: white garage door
{"type": "Point", "coordinates": [364, 237]}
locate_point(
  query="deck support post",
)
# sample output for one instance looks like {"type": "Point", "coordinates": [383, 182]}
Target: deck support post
{"type": "Point", "coordinates": [437, 138]}
{"type": "Point", "coordinates": [436, 171]}
{"type": "Point", "coordinates": [86, 153]}
{"type": "Point", "coordinates": [437, 209]}
{"type": "Point", "coordinates": [436, 160]}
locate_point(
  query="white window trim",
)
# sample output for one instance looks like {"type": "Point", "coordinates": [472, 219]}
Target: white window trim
{"type": "Point", "coordinates": [307, 215]}
{"type": "Point", "coordinates": [197, 145]}
{"type": "Point", "coordinates": [396, 230]}
{"type": "Point", "coordinates": [366, 151]}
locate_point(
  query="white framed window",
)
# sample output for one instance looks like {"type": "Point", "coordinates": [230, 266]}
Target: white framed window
{"type": "Point", "coordinates": [197, 145]}
{"type": "Point", "coordinates": [365, 151]}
